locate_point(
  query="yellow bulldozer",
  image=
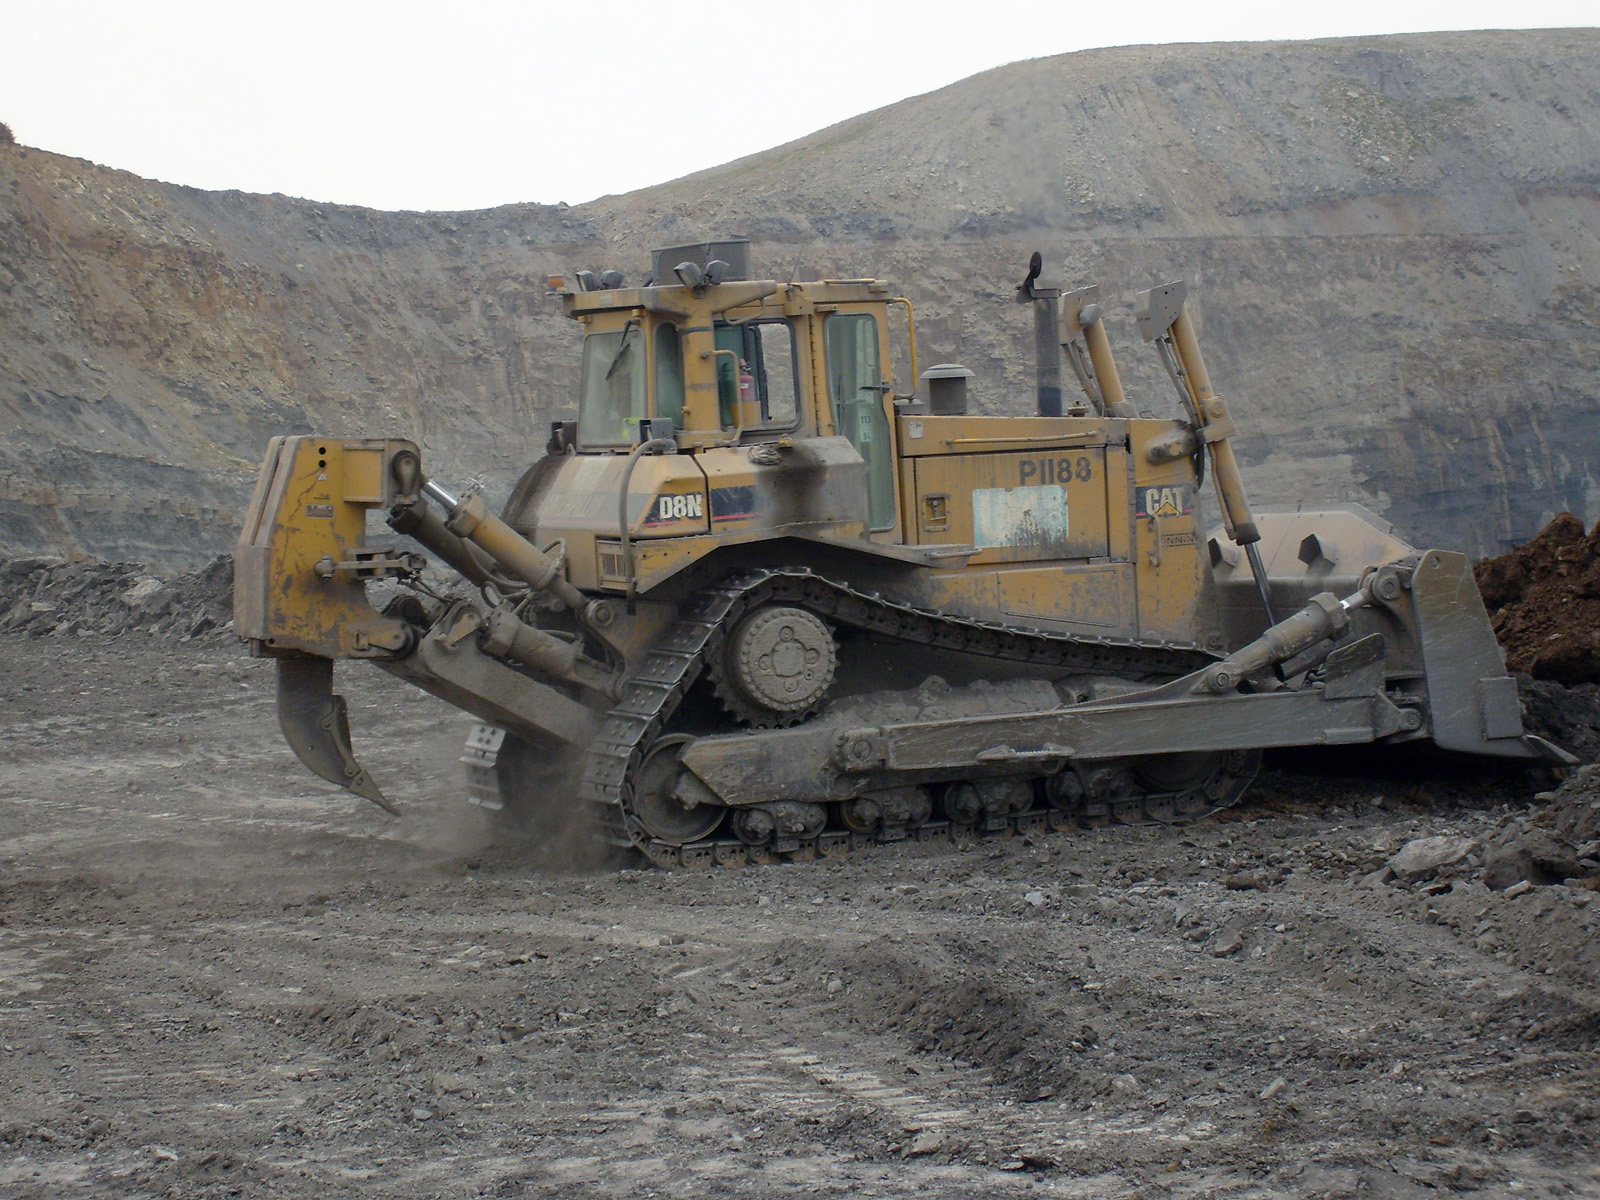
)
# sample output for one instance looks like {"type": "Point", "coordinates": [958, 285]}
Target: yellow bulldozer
{"type": "Point", "coordinates": [760, 605]}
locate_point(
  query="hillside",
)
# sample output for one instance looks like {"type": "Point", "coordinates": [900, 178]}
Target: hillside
{"type": "Point", "coordinates": [1393, 243]}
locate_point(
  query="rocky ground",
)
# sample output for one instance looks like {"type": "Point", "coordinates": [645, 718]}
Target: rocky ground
{"type": "Point", "coordinates": [221, 977]}
{"type": "Point", "coordinates": [45, 595]}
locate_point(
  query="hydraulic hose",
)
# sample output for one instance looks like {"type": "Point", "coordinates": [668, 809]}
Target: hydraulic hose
{"type": "Point", "coordinates": [654, 445]}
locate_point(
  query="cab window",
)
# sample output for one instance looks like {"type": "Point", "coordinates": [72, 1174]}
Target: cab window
{"type": "Point", "coordinates": [855, 379]}
{"type": "Point", "coordinates": [669, 374]}
{"type": "Point", "coordinates": [612, 399]}
{"type": "Point", "coordinates": [766, 354]}
{"type": "Point", "coordinates": [781, 394]}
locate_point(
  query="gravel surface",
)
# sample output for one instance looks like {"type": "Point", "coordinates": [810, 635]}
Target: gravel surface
{"type": "Point", "coordinates": [220, 977]}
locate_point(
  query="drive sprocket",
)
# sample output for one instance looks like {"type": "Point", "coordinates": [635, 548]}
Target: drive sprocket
{"type": "Point", "coordinates": [775, 666]}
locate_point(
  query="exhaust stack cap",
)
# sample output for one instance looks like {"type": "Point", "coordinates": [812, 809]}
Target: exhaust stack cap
{"type": "Point", "coordinates": [735, 253]}
{"type": "Point", "coordinates": [947, 389]}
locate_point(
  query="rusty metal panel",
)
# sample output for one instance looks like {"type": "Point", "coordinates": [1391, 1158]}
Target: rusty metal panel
{"type": "Point", "coordinates": [1097, 596]}
{"type": "Point", "coordinates": [1015, 507]}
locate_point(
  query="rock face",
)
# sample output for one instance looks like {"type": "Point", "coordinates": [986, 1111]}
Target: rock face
{"type": "Point", "coordinates": [1392, 244]}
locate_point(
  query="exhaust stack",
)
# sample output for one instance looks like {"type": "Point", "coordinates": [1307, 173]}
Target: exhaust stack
{"type": "Point", "coordinates": [1046, 303]}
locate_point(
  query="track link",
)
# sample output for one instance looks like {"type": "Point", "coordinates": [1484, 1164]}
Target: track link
{"type": "Point", "coordinates": [651, 696]}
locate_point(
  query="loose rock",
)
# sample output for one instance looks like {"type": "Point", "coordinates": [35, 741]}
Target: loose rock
{"type": "Point", "coordinates": [1423, 856]}
{"type": "Point", "coordinates": [1534, 858]}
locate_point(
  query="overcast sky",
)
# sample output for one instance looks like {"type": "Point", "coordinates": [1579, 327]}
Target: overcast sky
{"type": "Point", "coordinates": [441, 105]}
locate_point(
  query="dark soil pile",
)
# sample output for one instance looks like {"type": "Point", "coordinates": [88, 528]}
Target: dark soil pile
{"type": "Point", "coordinates": [1544, 601]}
{"type": "Point", "coordinates": [1567, 716]}
{"type": "Point", "coordinates": [43, 597]}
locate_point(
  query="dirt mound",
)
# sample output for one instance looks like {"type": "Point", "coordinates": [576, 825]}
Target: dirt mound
{"type": "Point", "coordinates": [1567, 716]}
{"type": "Point", "coordinates": [1544, 602]}
{"type": "Point", "coordinates": [50, 597]}
{"type": "Point", "coordinates": [1557, 841]}
{"type": "Point", "coordinates": [1575, 808]}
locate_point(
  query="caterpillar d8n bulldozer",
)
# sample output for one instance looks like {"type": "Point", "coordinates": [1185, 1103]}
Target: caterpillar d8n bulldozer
{"type": "Point", "coordinates": [765, 607]}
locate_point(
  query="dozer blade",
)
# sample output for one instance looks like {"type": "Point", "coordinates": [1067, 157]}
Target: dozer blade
{"type": "Point", "coordinates": [316, 724]}
{"type": "Point", "coordinates": [1472, 701]}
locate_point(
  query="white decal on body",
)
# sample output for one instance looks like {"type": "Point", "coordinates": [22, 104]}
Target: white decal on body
{"type": "Point", "coordinates": [680, 508]}
{"type": "Point", "coordinates": [1021, 516]}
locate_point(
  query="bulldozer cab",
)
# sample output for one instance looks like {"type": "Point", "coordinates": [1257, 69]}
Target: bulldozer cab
{"type": "Point", "coordinates": [777, 408]}
{"type": "Point", "coordinates": [741, 363]}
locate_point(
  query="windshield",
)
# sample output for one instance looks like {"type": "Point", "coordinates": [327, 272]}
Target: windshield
{"type": "Point", "coordinates": [613, 388]}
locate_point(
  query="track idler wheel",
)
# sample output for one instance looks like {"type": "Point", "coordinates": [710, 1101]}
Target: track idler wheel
{"type": "Point", "coordinates": [1177, 772]}
{"type": "Point", "coordinates": [668, 801]}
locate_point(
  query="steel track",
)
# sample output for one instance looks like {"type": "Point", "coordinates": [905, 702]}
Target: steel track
{"type": "Point", "coordinates": [652, 695]}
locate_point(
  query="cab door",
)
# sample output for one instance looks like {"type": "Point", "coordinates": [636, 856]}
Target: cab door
{"type": "Point", "coordinates": [859, 388]}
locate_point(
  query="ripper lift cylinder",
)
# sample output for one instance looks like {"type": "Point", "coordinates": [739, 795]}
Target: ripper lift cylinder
{"type": "Point", "coordinates": [1216, 429]}
{"type": "Point", "coordinates": [1163, 320]}
{"type": "Point", "coordinates": [1215, 421]}
{"type": "Point", "coordinates": [417, 520]}
{"type": "Point", "coordinates": [506, 637]}
{"type": "Point", "coordinates": [470, 519]}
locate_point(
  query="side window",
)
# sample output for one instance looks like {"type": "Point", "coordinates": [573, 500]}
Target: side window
{"type": "Point", "coordinates": [730, 338]}
{"type": "Point", "coordinates": [765, 375]}
{"type": "Point", "coordinates": [855, 380]}
{"type": "Point", "coordinates": [776, 341]}
{"type": "Point", "coordinates": [669, 374]}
